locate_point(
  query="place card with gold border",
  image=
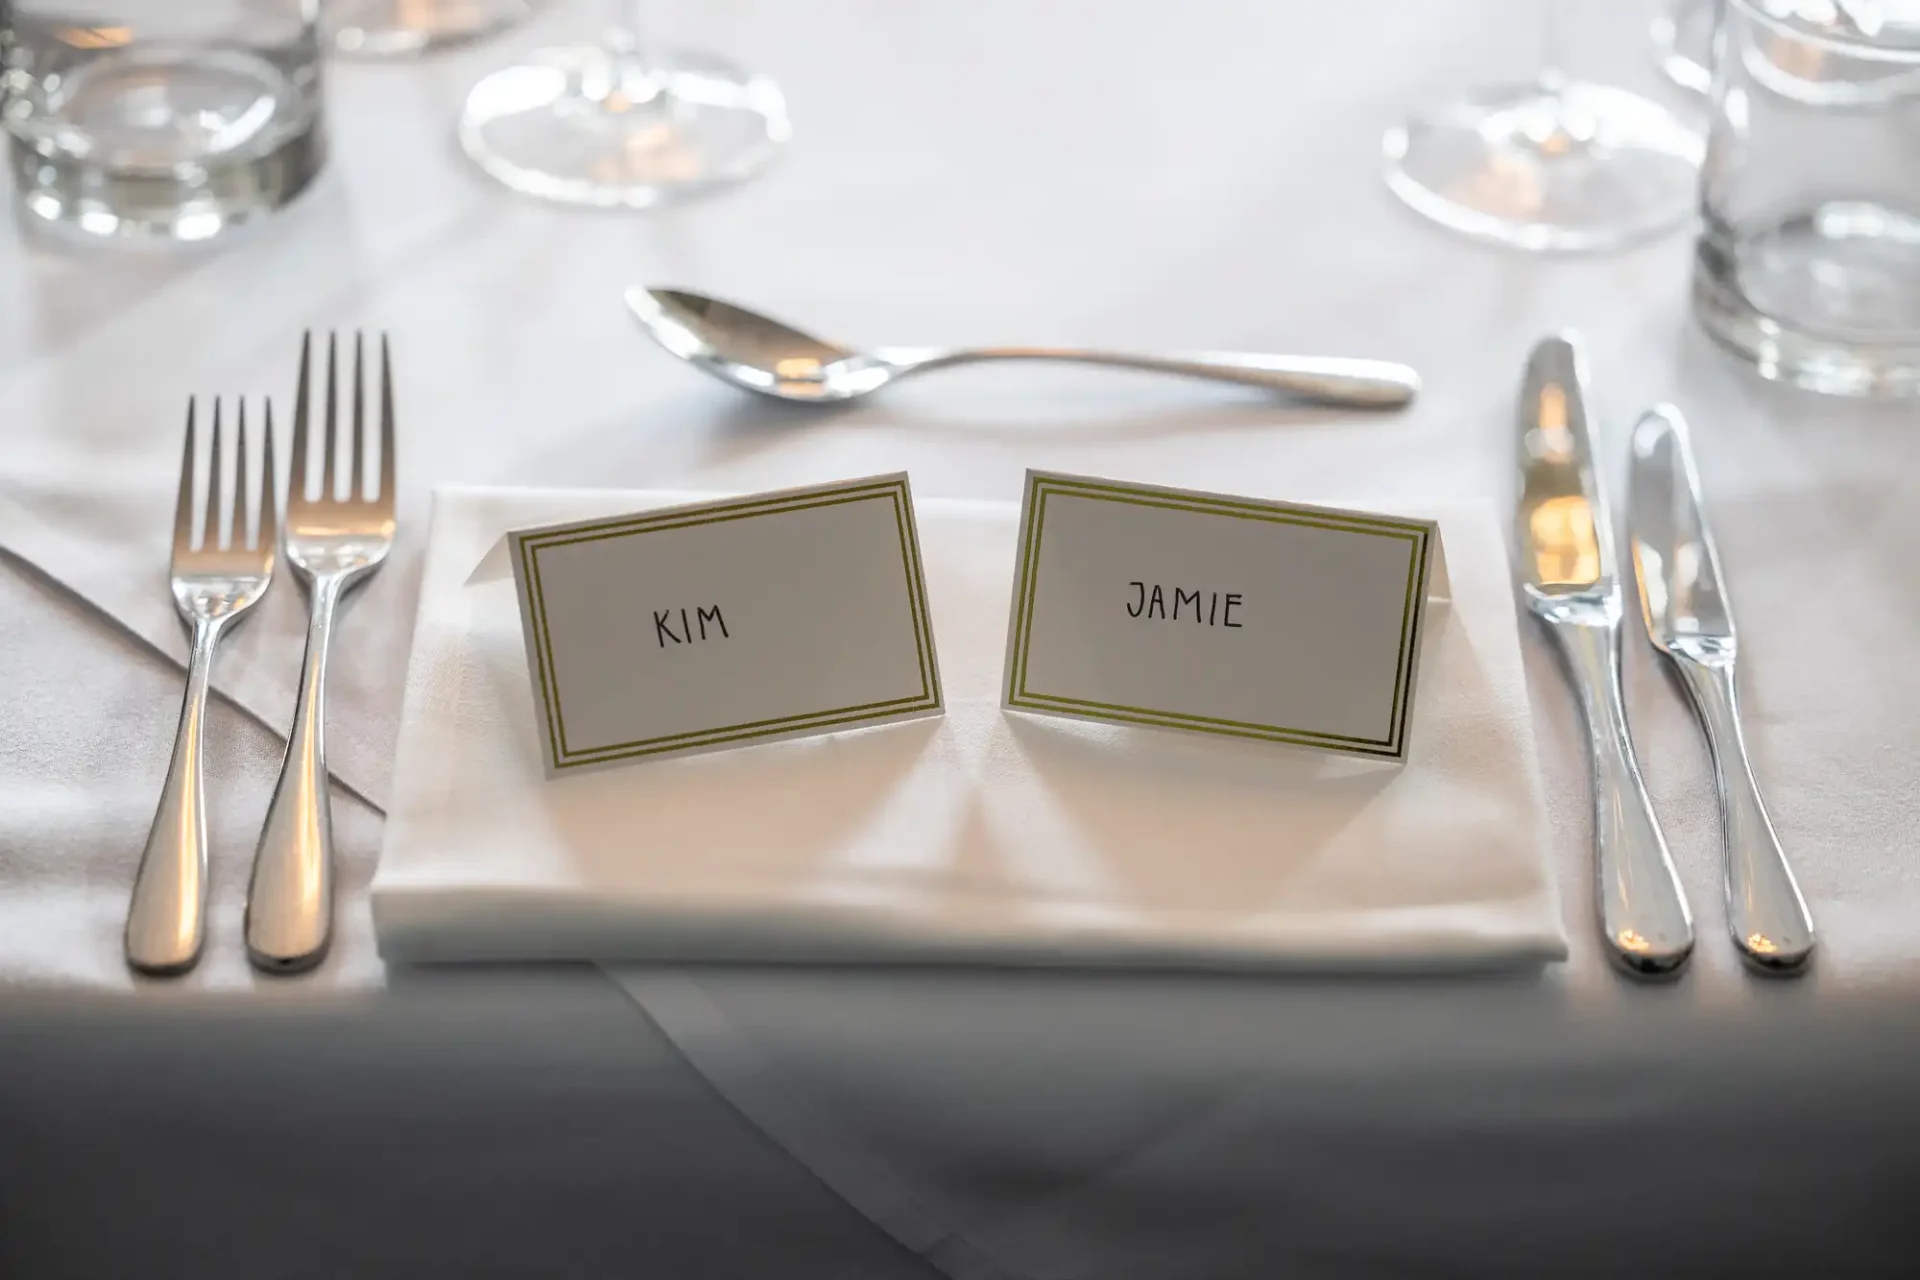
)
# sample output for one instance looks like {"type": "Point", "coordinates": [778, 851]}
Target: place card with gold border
{"type": "Point", "coordinates": [1232, 616]}
{"type": "Point", "coordinates": [726, 624]}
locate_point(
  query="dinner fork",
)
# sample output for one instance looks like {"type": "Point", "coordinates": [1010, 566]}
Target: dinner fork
{"type": "Point", "coordinates": [334, 540]}
{"type": "Point", "coordinates": [213, 587]}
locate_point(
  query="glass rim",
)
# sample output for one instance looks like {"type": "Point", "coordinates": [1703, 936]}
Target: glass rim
{"type": "Point", "coordinates": [1830, 41]}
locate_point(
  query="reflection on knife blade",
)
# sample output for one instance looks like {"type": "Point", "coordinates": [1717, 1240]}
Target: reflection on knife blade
{"type": "Point", "coordinates": [1569, 583]}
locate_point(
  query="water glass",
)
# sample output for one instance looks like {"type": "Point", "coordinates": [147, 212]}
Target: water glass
{"type": "Point", "coordinates": [1808, 262]}
{"type": "Point", "coordinates": [161, 118]}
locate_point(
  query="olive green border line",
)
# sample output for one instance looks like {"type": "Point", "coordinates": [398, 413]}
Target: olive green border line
{"type": "Point", "coordinates": [1128, 715]}
{"type": "Point", "coordinates": [1410, 622]}
{"type": "Point", "coordinates": [543, 647]}
{"type": "Point", "coordinates": [1419, 537]}
{"type": "Point", "coordinates": [910, 557]}
{"type": "Point", "coordinates": [659, 522]}
{"type": "Point", "coordinates": [803, 720]}
{"type": "Point", "coordinates": [1044, 486]}
{"type": "Point", "coordinates": [1221, 504]}
{"type": "Point", "coordinates": [750, 728]}
{"type": "Point", "coordinates": [1029, 570]}
{"type": "Point", "coordinates": [1372, 526]}
{"type": "Point", "coordinates": [929, 698]}
{"type": "Point", "coordinates": [858, 716]}
{"type": "Point", "coordinates": [1264, 730]}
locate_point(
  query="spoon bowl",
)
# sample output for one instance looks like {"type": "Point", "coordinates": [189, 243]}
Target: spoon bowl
{"type": "Point", "coordinates": [753, 351]}
{"type": "Point", "coordinates": [771, 358]}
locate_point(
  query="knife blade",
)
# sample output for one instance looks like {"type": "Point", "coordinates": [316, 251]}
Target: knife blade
{"type": "Point", "coordinates": [1684, 607]}
{"type": "Point", "coordinates": [1569, 583]}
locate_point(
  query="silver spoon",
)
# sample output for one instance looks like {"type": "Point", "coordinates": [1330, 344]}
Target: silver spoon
{"type": "Point", "coordinates": [763, 355]}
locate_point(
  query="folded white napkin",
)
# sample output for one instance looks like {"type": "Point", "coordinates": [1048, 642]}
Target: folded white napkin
{"type": "Point", "coordinates": [980, 836]}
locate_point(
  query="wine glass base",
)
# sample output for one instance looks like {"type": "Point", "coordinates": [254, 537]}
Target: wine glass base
{"type": "Point", "coordinates": [406, 28]}
{"type": "Point", "coordinates": [1562, 166]}
{"type": "Point", "coordinates": [597, 127]}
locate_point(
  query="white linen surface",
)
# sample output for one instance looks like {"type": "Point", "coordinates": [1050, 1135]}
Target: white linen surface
{"type": "Point", "coordinates": [1175, 177]}
{"type": "Point", "coordinates": [981, 835]}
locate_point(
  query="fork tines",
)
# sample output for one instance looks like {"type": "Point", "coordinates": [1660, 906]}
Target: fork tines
{"type": "Point", "coordinates": [350, 484]}
{"type": "Point", "coordinates": [244, 531]}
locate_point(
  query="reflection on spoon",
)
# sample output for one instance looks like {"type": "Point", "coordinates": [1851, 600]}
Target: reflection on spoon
{"type": "Point", "coordinates": [766, 356]}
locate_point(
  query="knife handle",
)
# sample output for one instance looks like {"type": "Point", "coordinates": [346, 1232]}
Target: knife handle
{"type": "Point", "coordinates": [1765, 912]}
{"type": "Point", "coordinates": [1643, 909]}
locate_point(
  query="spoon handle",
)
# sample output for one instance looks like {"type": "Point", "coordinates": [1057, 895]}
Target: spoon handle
{"type": "Point", "coordinates": [1364, 384]}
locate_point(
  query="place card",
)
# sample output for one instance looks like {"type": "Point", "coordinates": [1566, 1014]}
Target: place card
{"type": "Point", "coordinates": [726, 624]}
{"type": "Point", "coordinates": [1135, 604]}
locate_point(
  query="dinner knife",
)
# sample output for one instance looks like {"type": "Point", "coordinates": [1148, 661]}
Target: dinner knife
{"type": "Point", "coordinates": [1568, 579]}
{"type": "Point", "coordinates": [1685, 609]}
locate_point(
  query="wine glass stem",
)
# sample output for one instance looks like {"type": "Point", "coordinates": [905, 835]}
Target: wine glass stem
{"type": "Point", "coordinates": [632, 80]}
{"type": "Point", "coordinates": [1562, 128]}
{"type": "Point", "coordinates": [629, 20]}
{"type": "Point", "coordinates": [1553, 48]}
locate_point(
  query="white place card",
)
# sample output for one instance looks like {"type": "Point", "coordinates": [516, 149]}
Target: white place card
{"type": "Point", "coordinates": [1136, 604]}
{"type": "Point", "coordinates": [726, 624]}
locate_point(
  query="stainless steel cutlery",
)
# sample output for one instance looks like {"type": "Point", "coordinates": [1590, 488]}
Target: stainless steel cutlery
{"type": "Point", "coordinates": [336, 536]}
{"type": "Point", "coordinates": [217, 577]}
{"type": "Point", "coordinates": [1568, 580]}
{"type": "Point", "coordinates": [339, 526]}
{"type": "Point", "coordinates": [771, 358]}
{"type": "Point", "coordinates": [1684, 605]}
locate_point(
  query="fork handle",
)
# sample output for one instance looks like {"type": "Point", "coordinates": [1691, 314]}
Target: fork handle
{"type": "Point", "coordinates": [290, 898]}
{"type": "Point", "coordinates": [166, 918]}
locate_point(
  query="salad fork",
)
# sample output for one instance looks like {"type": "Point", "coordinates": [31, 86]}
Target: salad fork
{"type": "Point", "coordinates": [213, 587]}
{"type": "Point", "coordinates": [334, 540]}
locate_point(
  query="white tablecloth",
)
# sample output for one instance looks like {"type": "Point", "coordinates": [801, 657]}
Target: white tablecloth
{"type": "Point", "coordinates": [1202, 175]}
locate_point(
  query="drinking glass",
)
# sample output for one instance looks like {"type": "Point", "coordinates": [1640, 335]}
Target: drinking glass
{"type": "Point", "coordinates": [403, 28]}
{"type": "Point", "coordinates": [623, 123]}
{"type": "Point", "coordinates": [1552, 164]}
{"type": "Point", "coordinates": [161, 118]}
{"type": "Point", "coordinates": [1808, 261]}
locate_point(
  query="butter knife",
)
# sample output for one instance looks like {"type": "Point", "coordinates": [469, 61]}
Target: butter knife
{"type": "Point", "coordinates": [1568, 579]}
{"type": "Point", "coordinates": [1685, 609]}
